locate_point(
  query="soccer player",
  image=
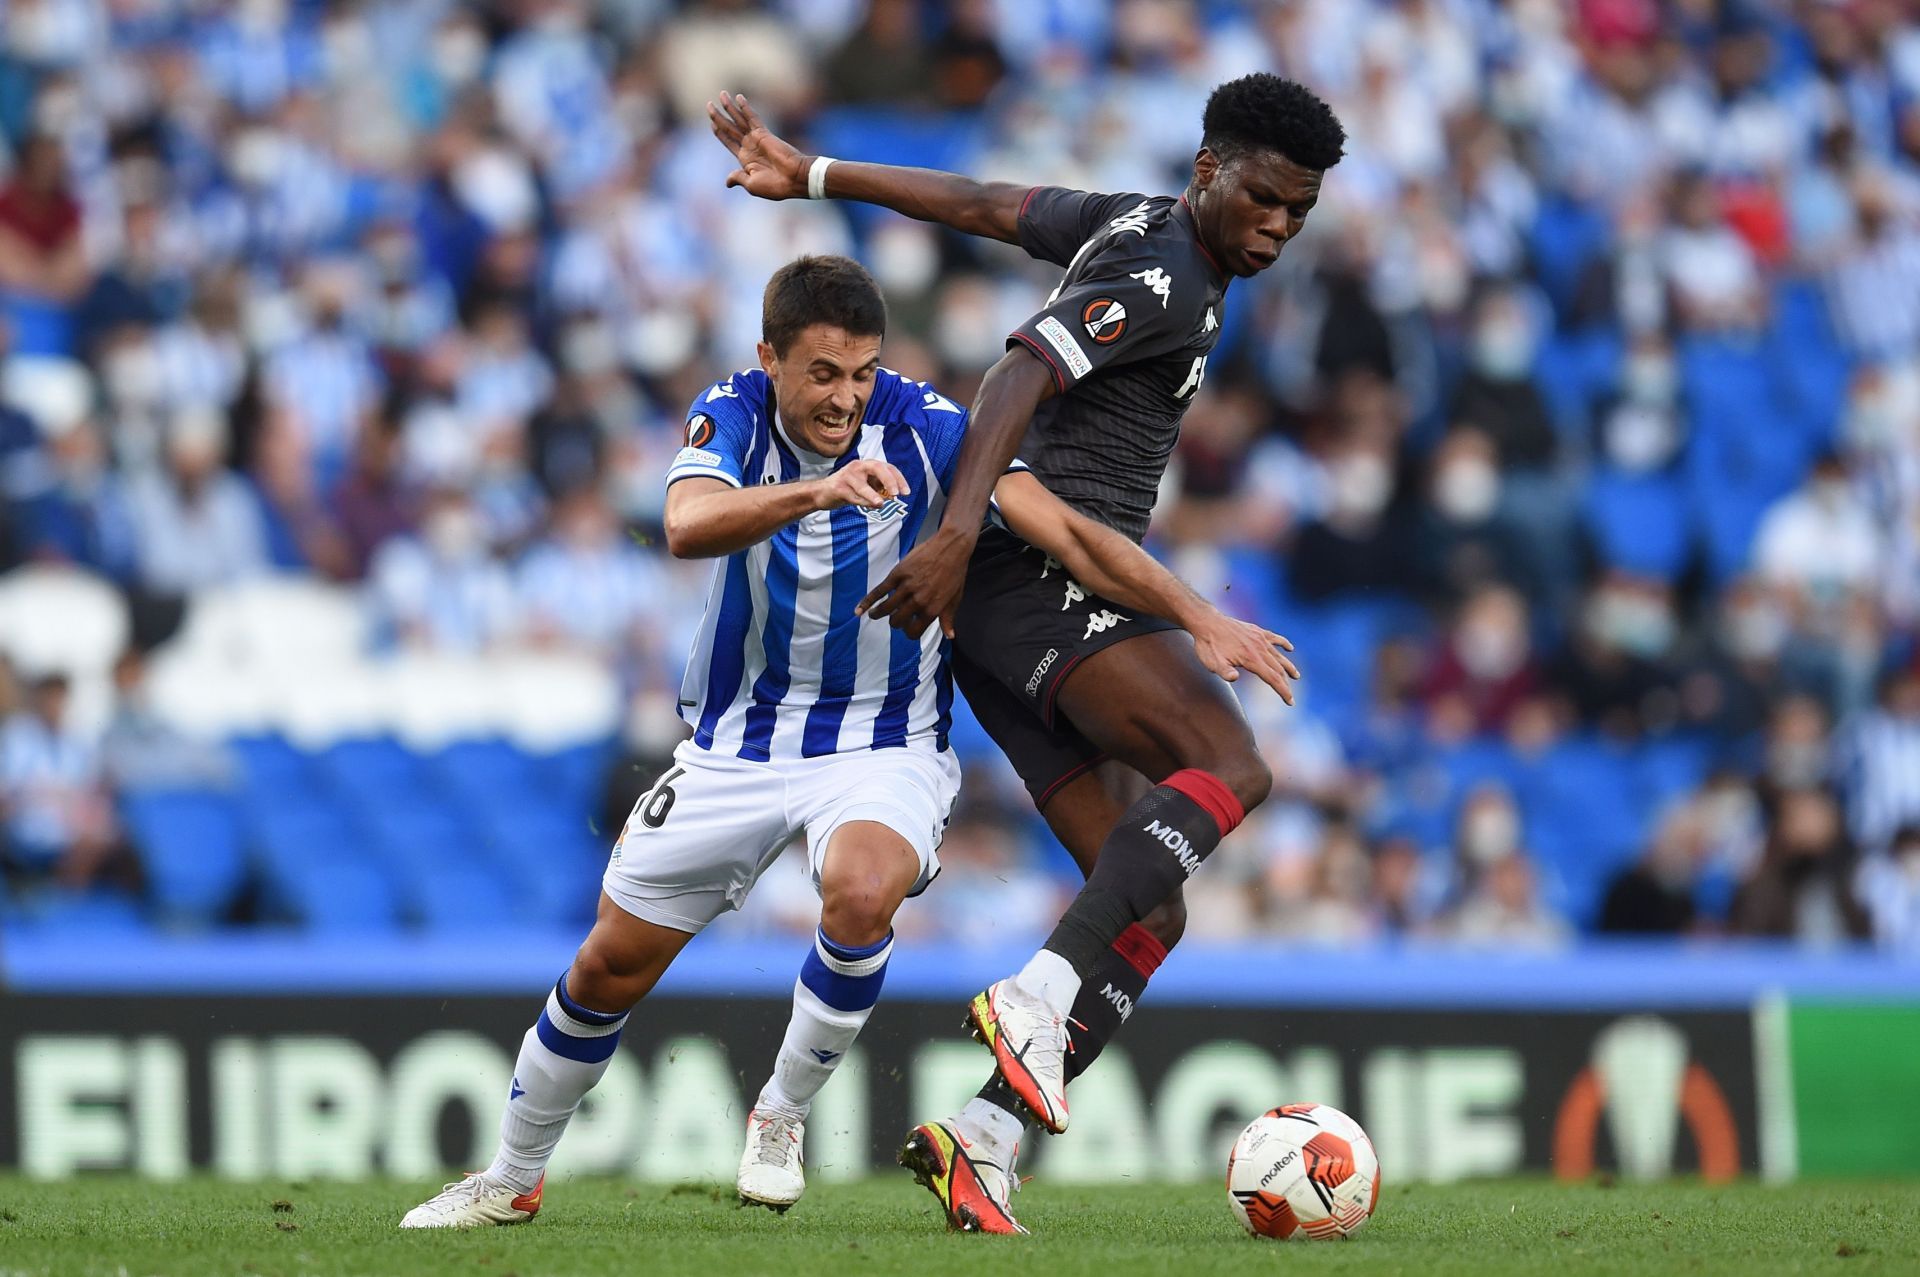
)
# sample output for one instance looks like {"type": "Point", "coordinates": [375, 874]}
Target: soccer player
{"type": "Point", "coordinates": [1095, 385]}
{"type": "Point", "coordinates": [812, 475]}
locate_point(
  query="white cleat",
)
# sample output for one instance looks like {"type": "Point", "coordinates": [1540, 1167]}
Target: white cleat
{"type": "Point", "coordinates": [1029, 1045]}
{"type": "Point", "coordinates": [770, 1171]}
{"type": "Point", "coordinates": [475, 1202]}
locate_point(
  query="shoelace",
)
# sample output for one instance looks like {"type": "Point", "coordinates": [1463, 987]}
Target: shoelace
{"type": "Point", "coordinates": [463, 1190]}
{"type": "Point", "coordinates": [772, 1137]}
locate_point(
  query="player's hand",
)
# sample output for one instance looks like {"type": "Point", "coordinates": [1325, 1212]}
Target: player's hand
{"type": "Point", "coordinates": [769, 167]}
{"type": "Point", "coordinates": [924, 586]}
{"type": "Point", "coordinates": [1227, 646]}
{"type": "Point", "coordinates": [866, 483]}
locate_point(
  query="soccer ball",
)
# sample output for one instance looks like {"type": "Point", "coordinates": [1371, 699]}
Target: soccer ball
{"type": "Point", "coordinates": [1303, 1170]}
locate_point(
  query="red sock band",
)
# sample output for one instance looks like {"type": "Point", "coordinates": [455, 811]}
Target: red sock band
{"type": "Point", "coordinates": [1213, 796]}
{"type": "Point", "coordinates": [1142, 950]}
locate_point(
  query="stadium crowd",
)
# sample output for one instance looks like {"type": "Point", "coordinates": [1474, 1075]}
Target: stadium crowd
{"type": "Point", "coordinates": [1576, 443]}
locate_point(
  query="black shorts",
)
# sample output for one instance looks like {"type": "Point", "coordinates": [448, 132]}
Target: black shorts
{"type": "Point", "coordinates": [1022, 626]}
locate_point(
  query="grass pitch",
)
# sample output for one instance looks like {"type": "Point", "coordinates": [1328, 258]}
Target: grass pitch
{"type": "Point", "coordinates": [126, 1228]}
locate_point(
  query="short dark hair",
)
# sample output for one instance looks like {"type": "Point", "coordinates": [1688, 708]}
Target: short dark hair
{"type": "Point", "coordinates": [1263, 111]}
{"type": "Point", "coordinates": [821, 290]}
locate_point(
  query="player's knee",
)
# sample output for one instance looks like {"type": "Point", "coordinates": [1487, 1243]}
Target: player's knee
{"type": "Point", "coordinates": [602, 979]}
{"type": "Point", "coordinates": [857, 909]}
{"type": "Point", "coordinates": [1168, 922]}
{"type": "Point", "coordinates": [1247, 776]}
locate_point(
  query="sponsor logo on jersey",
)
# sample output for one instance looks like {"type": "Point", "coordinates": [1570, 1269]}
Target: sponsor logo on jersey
{"type": "Point", "coordinates": [699, 431]}
{"type": "Point", "coordinates": [1105, 320]}
{"type": "Point", "coordinates": [1158, 280]}
{"type": "Point", "coordinates": [1176, 842]}
{"type": "Point", "coordinates": [699, 457]}
{"type": "Point", "coordinates": [1040, 670]}
{"type": "Point", "coordinates": [1102, 621]}
{"type": "Point", "coordinates": [1134, 220]}
{"type": "Point", "coordinates": [1062, 341]}
{"type": "Point", "coordinates": [1121, 1002]}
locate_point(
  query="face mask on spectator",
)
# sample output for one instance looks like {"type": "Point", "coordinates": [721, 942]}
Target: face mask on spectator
{"type": "Point", "coordinates": [1490, 650]}
{"type": "Point", "coordinates": [1362, 484]}
{"type": "Point", "coordinates": [1503, 348]}
{"type": "Point", "coordinates": [1649, 378]}
{"type": "Point", "coordinates": [1830, 494]}
{"type": "Point", "coordinates": [1467, 490]}
{"type": "Point", "coordinates": [255, 156]}
{"type": "Point", "coordinates": [459, 52]}
{"type": "Point", "coordinates": [1637, 624]}
{"type": "Point", "coordinates": [454, 534]}
{"type": "Point", "coordinates": [905, 258]}
{"type": "Point", "coordinates": [1490, 833]}
{"type": "Point", "coordinates": [1796, 764]}
{"type": "Point", "coordinates": [1756, 631]}
{"type": "Point", "coordinates": [132, 376]}
{"type": "Point", "coordinates": [1640, 437]}
{"type": "Point", "coordinates": [589, 347]}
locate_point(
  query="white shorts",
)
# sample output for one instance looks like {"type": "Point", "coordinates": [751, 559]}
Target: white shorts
{"type": "Point", "coordinates": [696, 842]}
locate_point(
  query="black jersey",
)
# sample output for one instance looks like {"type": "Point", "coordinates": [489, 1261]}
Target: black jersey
{"type": "Point", "coordinates": [1127, 334]}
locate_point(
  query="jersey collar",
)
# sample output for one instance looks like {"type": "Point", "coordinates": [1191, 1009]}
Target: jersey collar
{"type": "Point", "coordinates": [1184, 211]}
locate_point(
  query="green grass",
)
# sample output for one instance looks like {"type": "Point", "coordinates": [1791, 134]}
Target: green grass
{"type": "Point", "coordinates": [202, 1228]}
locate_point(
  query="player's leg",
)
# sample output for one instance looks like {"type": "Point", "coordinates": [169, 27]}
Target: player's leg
{"type": "Point", "coordinates": [873, 822]}
{"type": "Point", "coordinates": [1148, 702]}
{"type": "Point", "coordinates": [690, 843]}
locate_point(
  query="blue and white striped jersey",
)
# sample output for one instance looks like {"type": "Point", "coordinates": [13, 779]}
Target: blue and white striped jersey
{"type": "Point", "coordinates": [782, 667]}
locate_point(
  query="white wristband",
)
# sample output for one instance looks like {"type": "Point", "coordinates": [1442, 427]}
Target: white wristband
{"type": "Point", "coordinates": [817, 177]}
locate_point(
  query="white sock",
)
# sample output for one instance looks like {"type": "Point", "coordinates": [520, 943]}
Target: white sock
{"type": "Point", "coordinates": [995, 1132]}
{"type": "Point", "coordinates": [1052, 979]}
{"type": "Point", "coordinates": [832, 999]}
{"type": "Point", "coordinates": [562, 1057]}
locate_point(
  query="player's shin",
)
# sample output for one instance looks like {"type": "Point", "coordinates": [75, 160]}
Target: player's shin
{"type": "Point", "coordinates": [563, 1056]}
{"type": "Point", "coordinates": [832, 999]}
{"type": "Point", "coordinates": [1159, 842]}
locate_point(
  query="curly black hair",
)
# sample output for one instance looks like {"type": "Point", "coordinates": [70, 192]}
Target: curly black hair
{"type": "Point", "coordinates": [821, 290]}
{"type": "Point", "coordinates": [1265, 111]}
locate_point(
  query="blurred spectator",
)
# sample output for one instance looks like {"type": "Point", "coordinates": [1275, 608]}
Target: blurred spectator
{"type": "Point", "coordinates": [1889, 888]}
{"type": "Point", "coordinates": [1504, 910]}
{"type": "Point", "coordinates": [41, 252]}
{"type": "Point", "coordinates": [441, 588]}
{"type": "Point", "coordinates": [586, 584]}
{"type": "Point", "coordinates": [59, 817]}
{"type": "Point", "coordinates": [1655, 896]}
{"type": "Point", "coordinates": [1337, 909]}
{"type": "Point", "coordinates": [195, 522]}
{"type": "Point", "coordinates": [883, 63]}
{"type": "Point", "coordinates": [141, 749]}
{"type": "Point", "coordinates": [1711, 274]}
{"type": "Point", "coordinates": [1484, 669]}
{"type": "Point", "coordinates": [1618, 672]}
{"type": "Point", "coordinates": [1880, 763]}
{"type": "Point", "coordinates": [373, 502]}
{"type": "Point", "coordinates": [1820, 543]}
{"type": "Point", "coordinates": [989, 892]}
{"type": "Point", "coordinates": [1803, 887]}
{"type": "Point", "coordinates": [1875, 282]}
{"type": "Point", "coordinates": [320, 386]}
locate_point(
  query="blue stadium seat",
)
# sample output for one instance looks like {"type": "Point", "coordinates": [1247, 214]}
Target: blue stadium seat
{"type": "Point", "coordinates": [1567, 237]}
{"type": "Point", "coordinates": [1574, 372]}
{"type": "Point", "coordinates": [272, 769]}
{"type": "Point", "coordinates": [1666, 767]}
{"type": "Point", "coordinates": [454, 896]}
{"type": "Point", "coordinates": [1639, 523]}
{"type": "Point", "coordinates": [484, 774]}
{"type": "Point", "coordinates": [1726, 519]}
{"type": "Point", "coordinates": [191, 846]}
{"type": "Point", "coordinates": [1583, 816]}
{"type": "Point", "coordinates": [374, 772]}
{"type": "Point", "coordinates": [421, 833]}
{"type": "Point", "coordinates": [573, 779]}
{"type": "Point", "coordinates": [97, 911]}
{"type": "Point", "coordinates": [345, 893]}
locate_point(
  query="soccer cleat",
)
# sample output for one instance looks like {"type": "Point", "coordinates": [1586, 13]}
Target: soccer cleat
{"type": "Point", "coordinates": [475, 1202]}
{"type": "Point", "coordinates": [770, 1172]}
{"type": "Point", "coordinates": [973, 1193]}
{"type": "Point", "coordinates": [1029, 1045]}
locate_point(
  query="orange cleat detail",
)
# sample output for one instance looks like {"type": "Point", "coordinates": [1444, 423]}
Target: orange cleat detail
{"type": "Point", "coordinates": [937, 1155]}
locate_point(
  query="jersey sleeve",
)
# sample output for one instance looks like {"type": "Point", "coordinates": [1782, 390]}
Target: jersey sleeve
{"type": "Point", "coordinates": [717, 440]}
{"type": "Point", "coordinates": [1055, 221]}
{"type": "Point", "coordinates": [1126, 307]}
{"type": "Point", "coordinates": [939, 422]}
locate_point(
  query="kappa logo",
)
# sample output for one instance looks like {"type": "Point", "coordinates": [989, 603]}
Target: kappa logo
{"type": "Point", "coordinates": [1158, 280]}
{"type": "Point", "coordinates": [1209, 323]}
{"type": "Point", "coordinates": [699, 431]}
{"type": "Point", "coordinates": [1175, 842]}
{"type": "Point", "coordinates": [1134, 220]}
{"type": "Point", "coordinates": [1102, 621]}
{"type": "Point", "coordinates": [725, 390]}
{"type": "Point", "coordinates": [1121, 1002]}
{"type": "Point", "coordinates": [1076, 593]}
{"type": "Point", "coordinates": [1105, 319]}
{"type": "Point", "coordinates": [1040, 670]}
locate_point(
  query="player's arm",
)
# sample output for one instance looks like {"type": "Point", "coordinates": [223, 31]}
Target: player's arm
{"type": "Point", "coordinates": [1110, 565]}
{"type": "Point", "coordinates": [773, 169]}
{"type": "Point", "coordinates": [708, 517]}
{"type": "Point", "coordinates": [926, 584]}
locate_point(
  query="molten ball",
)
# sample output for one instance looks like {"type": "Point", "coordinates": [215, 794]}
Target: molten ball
{"type": "Point", "coordinates": [1303, 1170]}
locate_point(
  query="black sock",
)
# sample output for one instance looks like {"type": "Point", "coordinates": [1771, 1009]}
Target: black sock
{"type": "Point", "coordinates": [1107, 998]}
{"type": "Point", "coordinates": [1153, 850]}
